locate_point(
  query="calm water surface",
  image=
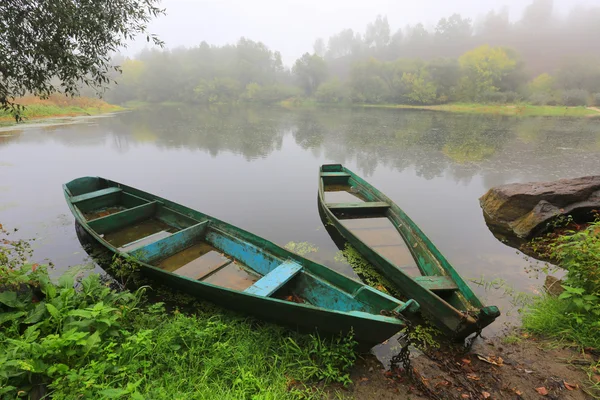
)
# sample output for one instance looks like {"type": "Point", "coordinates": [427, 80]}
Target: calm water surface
{"type": "Point", "coordinates": [257, 168]}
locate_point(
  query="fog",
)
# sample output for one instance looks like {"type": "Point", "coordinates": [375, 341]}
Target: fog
{"type": "Point", "coordinates": [426, 52]}
{"type": "Point", "coordinates": [291, 26]}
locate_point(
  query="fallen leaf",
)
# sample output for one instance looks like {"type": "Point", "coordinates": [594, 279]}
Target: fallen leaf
{"type": "Point", "coordinates": [542, 390]}
{"type": "Point", "coordinates": [465, 396]}
{"type": "Point", "coordinates": [473, 377]}
{"type": "Point", "coordinates": [466, 361]}
{"type": "Point", "coordinates": [570, 386]}
{"type": "Point", "coordinates": [491, 360]}
{"type": "Point", "coordinates": [597, 378]}
{"type": "Point", "coordinates": [486, 395]}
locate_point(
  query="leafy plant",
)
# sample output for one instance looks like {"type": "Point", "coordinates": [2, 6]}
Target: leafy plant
{"type": "Point", "coordinates": [78, 338]}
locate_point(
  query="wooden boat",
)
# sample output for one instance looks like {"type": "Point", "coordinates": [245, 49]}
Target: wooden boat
{"type": "Point", "coordinates": [206, 257]}
{"type": "Point", "coordinates": [383, 234]}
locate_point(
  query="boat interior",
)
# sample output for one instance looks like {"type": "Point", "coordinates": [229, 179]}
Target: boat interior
{"type": "Point", "coordinates": [198, 249]}
{"type": "Point", "coordinates": [369, 220]}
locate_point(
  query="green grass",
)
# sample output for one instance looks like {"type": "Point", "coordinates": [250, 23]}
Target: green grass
{"type": "Point", "coordinates": [95, 342]}
{"type": "Point", "coordinates": [37, 111]}
{"type": "Point", "coordinates": [521, 110]}
{"type": "Point", "coordinates": [551, 317]}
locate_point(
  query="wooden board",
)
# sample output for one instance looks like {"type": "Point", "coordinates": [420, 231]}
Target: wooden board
{"type": "Point", "coordinates": [92, 195]}
{"type": "Point", "coordinates": [144, 241]}
{"type": "Point", "coordinates": [233, 277]}
{"type": "Point", "coordinates": [268, 284]}
{"type": "Point", "coordinates": [202, 266]}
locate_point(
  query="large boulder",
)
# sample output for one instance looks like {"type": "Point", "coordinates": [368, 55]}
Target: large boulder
{"type": "Point", "coordinates": [525, 209]}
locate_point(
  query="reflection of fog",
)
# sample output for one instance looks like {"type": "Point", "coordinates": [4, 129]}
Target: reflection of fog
{"type": "Point", "coordinates": [433, 144]}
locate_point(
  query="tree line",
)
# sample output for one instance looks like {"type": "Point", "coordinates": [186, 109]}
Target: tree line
{"type": "Point", "coordinates": [541, 58]}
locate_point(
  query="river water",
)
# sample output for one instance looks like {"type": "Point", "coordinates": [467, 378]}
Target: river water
{"type": "Point", "coordinates": [257, 168]}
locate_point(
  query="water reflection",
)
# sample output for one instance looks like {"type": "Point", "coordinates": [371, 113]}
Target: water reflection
{"type": "Point", "coordinates": [257, 168]}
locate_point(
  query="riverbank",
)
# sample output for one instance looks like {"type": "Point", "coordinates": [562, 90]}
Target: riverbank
{"type": "Point", "coordinates": [58, 106]}
{"type": "Point", "coordinates": [102, 342]}
{"type": "Point", "coordinates": [516, 110]}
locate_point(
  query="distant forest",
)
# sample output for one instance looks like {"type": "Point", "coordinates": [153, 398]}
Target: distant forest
{"type": "Point", "coordinates": [542, 58]}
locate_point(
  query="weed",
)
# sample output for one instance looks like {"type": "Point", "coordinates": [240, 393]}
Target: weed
{"type": "Point", "coordinates": [366, 271]}
{"type": "Point", "coordinates": [301, 248]}
{"type": "Point", "coordinates": [512, 339]}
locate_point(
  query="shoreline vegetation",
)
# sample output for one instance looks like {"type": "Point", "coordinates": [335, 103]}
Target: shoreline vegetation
{"type": "Point", "coordinates": [516, 110]}
{"type": "Point", "coordinates": [58, 106]}
{"type": "Point", "coordinates": [74, 335]}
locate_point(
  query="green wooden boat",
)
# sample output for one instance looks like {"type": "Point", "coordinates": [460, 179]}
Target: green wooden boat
{"type": "Point", "coordinates": [395, 245]}
{"type": "Point", "coordinates": [206, 257]}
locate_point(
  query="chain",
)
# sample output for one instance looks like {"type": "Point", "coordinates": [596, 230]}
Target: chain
{"type": "Point", "coordinates": [403, 357]}
{"type": "Point", "coordinates": [469, 342]}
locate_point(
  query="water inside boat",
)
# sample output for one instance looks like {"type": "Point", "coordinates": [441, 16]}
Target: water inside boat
{"type": "Point", "coordinates": [369, 223]}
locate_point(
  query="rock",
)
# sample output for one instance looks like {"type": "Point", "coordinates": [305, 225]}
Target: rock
{"type": "Point", "coordinates": [553, 286]}
{"type": "Point", "coordinates": [525, 209]}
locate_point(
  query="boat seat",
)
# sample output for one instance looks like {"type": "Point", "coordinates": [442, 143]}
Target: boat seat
{"type": "Point", "coordinates": [335, 174]}
{"type": "Point", "coordinates": [203, 266]}
{"type": "Point", "coordinates": [136, 244]}
{"type": "Point", "coordinates": [438, 283]}
{"type": "Point", "coordinates": [368, 205]}
{"type": "Point", "coordinates": [93, 195]}
{"type": "Point", "coordinates": [268, 284]}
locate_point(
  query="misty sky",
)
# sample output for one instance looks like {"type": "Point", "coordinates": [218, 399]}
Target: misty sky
{"type": "Point", "coordinates": [291, 26]}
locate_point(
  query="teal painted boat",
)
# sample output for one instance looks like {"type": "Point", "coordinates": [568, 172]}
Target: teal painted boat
{"type": "Point", "coordinates": [383, 234]}
{"type": "Point", "coordinates": [205, 257]}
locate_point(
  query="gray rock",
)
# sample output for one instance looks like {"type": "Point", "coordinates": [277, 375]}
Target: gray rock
{"type": "Point", "coordinates": [525, 209]}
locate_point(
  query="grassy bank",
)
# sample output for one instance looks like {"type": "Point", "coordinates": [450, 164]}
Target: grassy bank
{"type": "Point", "coordinates": [59, 106]}
{"type": "Point", "coordinates": [573, 317]}
{"type": "Point", "coordinates": [80, 338]}
{"type": "Point", "coordinates": [518, 110]}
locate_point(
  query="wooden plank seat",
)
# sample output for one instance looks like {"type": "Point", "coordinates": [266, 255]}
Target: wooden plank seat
{"type": "Point", "coordinates": [335, 174]}
{"type": "Point", "coordinates": [442, 283]}
{"type": "Point", "coordinates": [93, 195]}
{"type": "Point", "coordinates": [367, 205]}
{"type": "Point", "coordinates": [136, 244]}
{"type": "Point", "coordinates": [275, 279]}
{"type": "Point", "coordinates": [203, 266]}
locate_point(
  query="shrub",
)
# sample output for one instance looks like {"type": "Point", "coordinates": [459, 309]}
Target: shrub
{"type": "Point", "coordinates": [575, 97]}
{"type": "Point", "coordinates": [512, 97]}
{"type": "Point", "coordinates": [494, 97]}
{"type": "Point", "coordinates": [596, 99]}
{"type": "Point", "coordinates": [540, 99]}
{"type": "Point", "coordinates": [332, 91]}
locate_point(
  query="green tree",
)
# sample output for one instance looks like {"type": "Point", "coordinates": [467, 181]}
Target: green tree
{"type": "Point", "coordinates": [41, 40]}
{"type": "Point", "coordinates": [453, 35]}
{"type": "Point", "coordinates": [420, 89]}
{"type": "Point", "coordinates": [483, 69]}
{"type": "Point", "coordinates": [341, 44]}
{"type": "Point", "coordinates": [333, 91]}
{"type": "Point", "coordinates": [543, 83]}
{"type": "Point", "coordinates": [310, 71]}
{"type": "Point", "coordinates": [378, 33]}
